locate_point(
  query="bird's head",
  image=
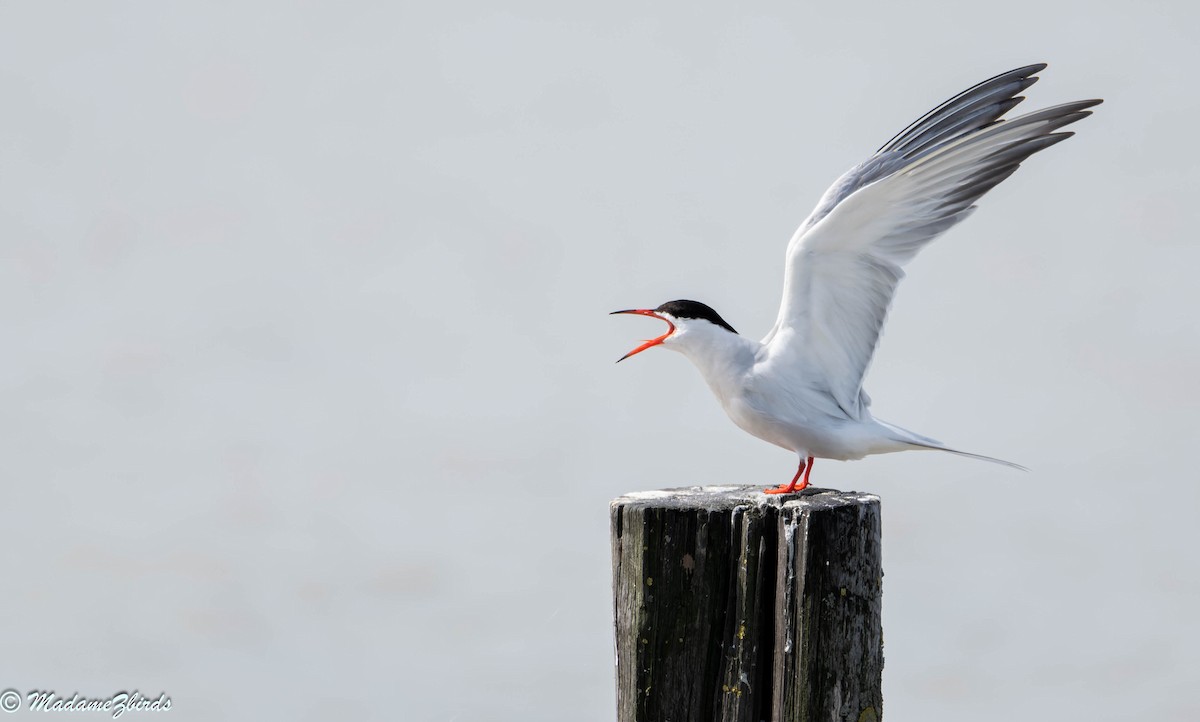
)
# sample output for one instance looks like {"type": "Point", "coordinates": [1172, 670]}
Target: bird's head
{"type": "Point", "coordinates": [689, 324]}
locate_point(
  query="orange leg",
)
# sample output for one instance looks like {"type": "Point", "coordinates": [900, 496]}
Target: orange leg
{"type": "Point", "coordinates": [805, 468]}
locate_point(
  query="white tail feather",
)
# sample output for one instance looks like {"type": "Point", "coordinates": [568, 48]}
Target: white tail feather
{"type": "Point", "coordinates": [967, 454]}
{"type": "Point", "coordinates": [915, 440]}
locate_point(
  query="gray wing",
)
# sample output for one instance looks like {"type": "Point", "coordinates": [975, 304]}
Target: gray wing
{"type": "Point", "coordinates": [845, 261]}
{"type": "Point", "coordinates": [970, 110]}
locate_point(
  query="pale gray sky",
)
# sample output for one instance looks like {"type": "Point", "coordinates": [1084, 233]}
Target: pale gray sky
{"type": "Point", "coordinates": [308, 402]}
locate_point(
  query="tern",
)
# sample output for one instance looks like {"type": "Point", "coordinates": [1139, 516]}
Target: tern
{"type": "Point", "coordinates": [801, 387]}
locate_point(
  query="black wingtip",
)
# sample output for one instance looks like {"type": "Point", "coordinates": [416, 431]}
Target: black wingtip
{"type": "Point", "coordinates": [995, 90]}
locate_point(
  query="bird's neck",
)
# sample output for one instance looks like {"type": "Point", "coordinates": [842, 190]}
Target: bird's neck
{"type": "Point", "coordinates": [723, 360]}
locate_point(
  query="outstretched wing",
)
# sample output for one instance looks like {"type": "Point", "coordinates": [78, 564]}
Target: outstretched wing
{"type": "Point", "coordinates": [844, 262]}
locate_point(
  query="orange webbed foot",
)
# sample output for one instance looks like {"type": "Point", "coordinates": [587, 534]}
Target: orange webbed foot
{"type": "Point", "coordinates": [805, 469]}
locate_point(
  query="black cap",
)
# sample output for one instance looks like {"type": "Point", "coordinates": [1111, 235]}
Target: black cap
{"type": "Point", "coordinates": [694, 309]}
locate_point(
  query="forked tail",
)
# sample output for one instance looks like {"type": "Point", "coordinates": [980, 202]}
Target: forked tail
{"type": "Point", "coordinates": [938, 447]}
{"type": "Point", "coordinates": [905, 436]}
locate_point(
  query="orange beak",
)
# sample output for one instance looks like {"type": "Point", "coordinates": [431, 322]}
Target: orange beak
{"type": "Point", "coordinates": [651, 342]}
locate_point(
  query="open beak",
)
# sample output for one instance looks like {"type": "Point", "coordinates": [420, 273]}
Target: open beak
{"type": "Point", "coordinates": [651, 342]}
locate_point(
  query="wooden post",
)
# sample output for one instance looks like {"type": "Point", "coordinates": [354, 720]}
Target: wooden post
{"type": "Point", "coordinates": [737, 606]}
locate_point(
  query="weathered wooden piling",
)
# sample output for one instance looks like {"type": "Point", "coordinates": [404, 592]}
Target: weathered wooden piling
{"type": "Point", "coordinates": [737, 606]}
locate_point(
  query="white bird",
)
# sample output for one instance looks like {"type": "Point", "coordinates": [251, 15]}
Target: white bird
{"type": "Point", "coordinates": [801, 386]}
